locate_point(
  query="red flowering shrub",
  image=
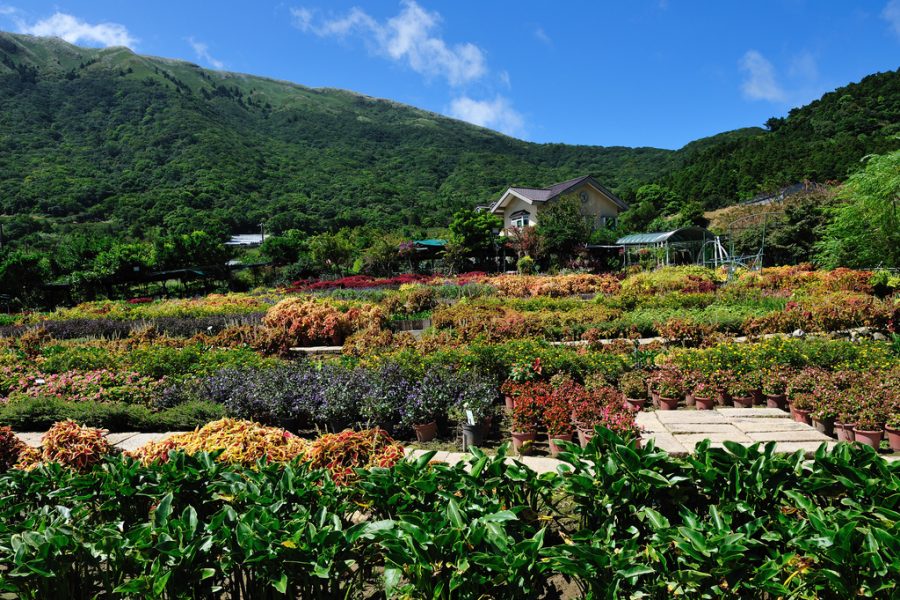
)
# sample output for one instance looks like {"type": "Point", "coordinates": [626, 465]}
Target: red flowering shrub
{"type": "Point", "coordinates": [528, 411]}
{"type": "Point", "coordinates": [557, 410]}
{"type": "Point", "coordinates": [604, 407]}
{"type": "Point", "coordinates": [668, 382]}
{"type": "Point", "coordinates": [356, 282]}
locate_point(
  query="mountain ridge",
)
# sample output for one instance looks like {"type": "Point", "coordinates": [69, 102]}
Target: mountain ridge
{"type": "Point", "coordinates": [107, 134]}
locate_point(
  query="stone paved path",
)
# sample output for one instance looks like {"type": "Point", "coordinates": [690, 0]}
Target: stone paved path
{"type": "Point", "coordinates": [678, 431]}
{"type": "Point", "coordinates": [675, 431]}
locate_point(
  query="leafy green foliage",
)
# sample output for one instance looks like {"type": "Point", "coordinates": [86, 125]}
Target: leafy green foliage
{"type": "Point", "coordinates": [865, 230]}
{"type": "Point", "coordinates": [563, 227]}
{"type": "Point", "coordinates": [617, 521]}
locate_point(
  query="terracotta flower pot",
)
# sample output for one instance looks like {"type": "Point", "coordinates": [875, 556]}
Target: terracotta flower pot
{"type": "Point", "coordinates": [635, 404]}
{"type": "Point", "coordinates": [722, 398]}
{"type": "Point", "coordinates": [776, 401]}
{"type": "Point", "coordinates": [893, 436]}
{"type": "Point", "coordinates": [869, 438]}
{"type": "Point", "coordinates": [426, 432]}
{"type": "Point", "coordinates": [758, 397]}
{"type": "Point", "coordinates": [704, 403]}
{"type": "Point", "coordinates": [553, 437]}
{"type": "Point", "coordinates": [521, 440]}
{"type": "Point", "coordinates": [742, 401]}
{"type": "Point", "coordinates": [668, 403]}
{"type": "Point", "coordinates": [844, 431]}
{"type": "Point", "coordinates": [510, 402]}
{"type": "Point", "coordinates": [825, 426]}
{"type": "Point", "coordinates": [584, 435]}
{"type": "Point", "coordinates": [801, 415]}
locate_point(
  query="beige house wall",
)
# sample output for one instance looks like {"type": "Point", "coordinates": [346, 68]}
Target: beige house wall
{"type": "Point", "coordinates": [597, 205]}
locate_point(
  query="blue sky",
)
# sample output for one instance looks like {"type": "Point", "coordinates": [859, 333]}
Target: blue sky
{"type": "Point", "coordinates": [638, 73]}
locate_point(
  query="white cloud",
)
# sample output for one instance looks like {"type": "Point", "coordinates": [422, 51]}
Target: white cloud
{"type": "Point", "coordinates": [760, 82]}
{"type": "Point", "coordinates": [8, 10]}
{"type": "Point", "coordinates": [891, 14]}
{"type": "Point", "coordinates": [542, 36]}
{"type": "Point", "coordinates": [76, 31]}
{"type": "Point", "coordinates": [407, 38]}
{"type": "Point", "coordinates": [804, 66]}
{"type": "Point", "coordinates": [202, 52]}
{"type": "Point", "coordinates": [496, 114]}
{"type": "Point", "coordinates": [504, 79]}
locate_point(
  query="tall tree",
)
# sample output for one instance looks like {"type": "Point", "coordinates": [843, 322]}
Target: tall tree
{"type": "Point", "coordinates": [865, 228]}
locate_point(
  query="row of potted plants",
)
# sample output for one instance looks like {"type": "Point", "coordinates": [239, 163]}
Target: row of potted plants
{"type": "Point", "coordinates": [561, 407]}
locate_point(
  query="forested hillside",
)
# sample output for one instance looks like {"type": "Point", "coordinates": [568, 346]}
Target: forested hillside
{"type": "Point", "coordinates": [822, 141]}
{"type": "Point", "coordinates": [99, 134]}
{"type": "Point", "coordinates": [133, 142]}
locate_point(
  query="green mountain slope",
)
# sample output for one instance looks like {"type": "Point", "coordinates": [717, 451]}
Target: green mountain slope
{"type": "Point", "coordinates": [822, 141]}
{"type": "Point", "coordinates": [109, 135]}
{"type": "Point", "coordinates": [95, 134]}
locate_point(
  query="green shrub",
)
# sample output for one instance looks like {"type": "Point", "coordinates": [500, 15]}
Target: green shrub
{"type": "Point", "coordinates": [60, 358]}
{"type": "Point", "coordinates": [39, 414]}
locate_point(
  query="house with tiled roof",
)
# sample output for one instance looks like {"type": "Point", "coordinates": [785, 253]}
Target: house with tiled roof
{"type": "Point", "coordinates": [520, 206]}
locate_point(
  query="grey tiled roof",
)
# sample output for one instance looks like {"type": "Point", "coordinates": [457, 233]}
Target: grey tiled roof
{"type": "Point", "coordinates": [544, 194]}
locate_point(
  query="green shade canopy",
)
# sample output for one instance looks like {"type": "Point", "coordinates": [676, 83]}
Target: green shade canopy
{"type": "Point", "coordinates": [431, 243]}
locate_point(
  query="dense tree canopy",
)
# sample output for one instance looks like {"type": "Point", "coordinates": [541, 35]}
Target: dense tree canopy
{"type": "Point", "coordinates": [864, 230]}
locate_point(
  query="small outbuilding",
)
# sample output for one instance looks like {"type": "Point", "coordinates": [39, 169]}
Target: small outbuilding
{"type": "Point", "coordinates": [683, 246]}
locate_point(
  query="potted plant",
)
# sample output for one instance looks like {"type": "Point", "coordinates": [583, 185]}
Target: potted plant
{"type": "Point", "coordinates": [892, 429]}
{"type": "Point", "coordinates": [801, 406]}
{"type": "Point", "coordinates": [869, 429]}
{"type": "Point", "coordinates": [844, 424]}
{"type": "Point", "coordinates": [633, 385]}
{"type": "Point", "coordinates": [521, 372]}
{"type": "Point", "coordinates": [740, 390]}
{"type": "Point", "coordinates": [429, 399]}
{"type": "Point", "coordinates": [510, 390]}
{"type": "Point", "coordinates": [754, 382]}
{"type": "Point", "coordinates": [704, 396]}
{"type": "Point", "coordinates": [719, 380]}
{"type": "Point", "coordinates": [557, 414]}
{"type": "Point", "coordinates": [824, 414]}
{"type": "Point", "coordinates": [773, 387]}
{"type": "Point", "coordinates": [603, 407]}
{"type": "Point", "coordinates": [669, 386]}
{"type": "Point", "coordinates": [527, 415]}
{"type": "Point", "coordinates": [474, 396]}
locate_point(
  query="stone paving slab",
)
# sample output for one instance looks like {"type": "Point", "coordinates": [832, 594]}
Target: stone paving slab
{"type": "Point", "coordinates": [117, 438]}
{"type": "Point", "coordinates": [755, 413]}
{"type": "Point", "coordinates": [667, 442]}
{"type": "Point", "coordinates": [810, 435]}
{"type": "Point", "coordinates": [648, 421]}
{"type": "Point", "coordinates": [766, 424]}
{"type": "Point", "coordinates": [705, 428]}
{"type": "Point", "coordinates": [139, 439]}
{"type": "Point", "coordinates": [689, 416]}
{"type": "Point", "coordinates": [31, 438]}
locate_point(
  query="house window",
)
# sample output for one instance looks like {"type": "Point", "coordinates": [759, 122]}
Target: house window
{"type": "Point", "coordinates": [609, 222]}
{"type": "Point", "coordinates": [520, 219]}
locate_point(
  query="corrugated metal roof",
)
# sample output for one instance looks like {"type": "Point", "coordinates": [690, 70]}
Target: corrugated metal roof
{"type": "Point", "coordinates": [433, 242]}
{"type": "Point", "coordinates": [676, 235]}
